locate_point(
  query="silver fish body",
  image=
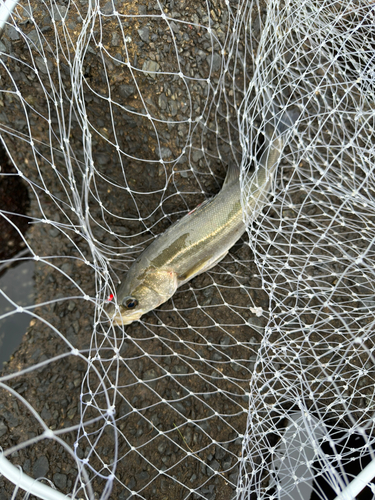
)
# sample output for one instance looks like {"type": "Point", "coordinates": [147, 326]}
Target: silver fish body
{"type": "Point", "coordinates": [195, 243]}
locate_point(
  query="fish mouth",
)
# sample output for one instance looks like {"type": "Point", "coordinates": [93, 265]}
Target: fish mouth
{"type": "Point", "coordinates": [113, 314]}
{"type": "Point", "coordinates": [125, 319]}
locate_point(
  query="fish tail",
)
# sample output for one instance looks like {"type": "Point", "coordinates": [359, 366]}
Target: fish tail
{"type": "Point", "coordinates": [275, 132]}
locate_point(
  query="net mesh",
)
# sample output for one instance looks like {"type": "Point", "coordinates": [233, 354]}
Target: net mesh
{"type": "Point", "coordinates": [256, 378]}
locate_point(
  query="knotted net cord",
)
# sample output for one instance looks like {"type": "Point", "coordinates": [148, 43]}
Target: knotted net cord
{"type": "Point", "coordinates": [121, 118]}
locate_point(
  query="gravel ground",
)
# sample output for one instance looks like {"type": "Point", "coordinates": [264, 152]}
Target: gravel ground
{"type": "Point", "coordinates": [190, 361]}
{"type": "Point", "coordinates": [186, 375]}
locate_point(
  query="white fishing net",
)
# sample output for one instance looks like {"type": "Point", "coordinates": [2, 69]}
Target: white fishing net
{"type": "Point", "coordinates": [256, 379]}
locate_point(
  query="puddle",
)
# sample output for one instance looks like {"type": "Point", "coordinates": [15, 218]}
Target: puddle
{"type": "Point", "coordinates": [17, 283]}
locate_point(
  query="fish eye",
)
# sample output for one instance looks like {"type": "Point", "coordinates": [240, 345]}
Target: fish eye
{"type": "Point", "coordinates": [130, 302]}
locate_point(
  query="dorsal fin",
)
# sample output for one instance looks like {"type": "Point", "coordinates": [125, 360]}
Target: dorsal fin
{"type": "Point", "coordinates": [233, 174]}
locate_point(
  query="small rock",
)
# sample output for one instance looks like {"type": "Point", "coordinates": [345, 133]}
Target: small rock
{"type": "Point", "coordinates": [165, 152]}
{"type": "Point", "coordinates": [142, 476]}
{"type": "Point", "coordinates": [144, 34]}
{"type": "Point", "coordinates": [107, 9]}
{"type": "Point", "coordinates": [163, 102]}
{"type": "Point", "coordinates": [46, 414]}
{"type": "Point", "coordinates": [180, 407]}
{"type": "Point", "coordinates": [233, 478]}
{"type": "Point", "coordinates": [216, 62]}
{"type": "Point", "coordinates": [71, 413]}
{"type": "Point", "coordinates": [44, 66]}
{"type": "Point", "coordinates": [126, 91]}
{"type": "Point", "coordinates": [150, 68]}
{"type": "Point", "coordinates": [175, 27]}
{"type": "Point", "coordinates": [150, 375]}
{"type": "Point", "coordinates": [33, 36]}
{"type": "Point", "coordinates": [102, 158]}
{"type": "Point", "coordinates": [54, 232]}
{"type": "Point", "coordinates": [215, 465]}
{"type": "Point", "coordinates": [26, 465]}
{"type": "Point", "coordinates": [115, 40]}
{"type": "Point", "coordinates": [162, 447]}
{"type": "Point", "coordinates": [179, 369]}
{"type": "Point", "coordinates": [182, 160]}
{"type": "Point", "coordinates": [220, 452]}
{"type": "Point", "coordinates": [58, 12]}
{"type": "Point", "coordinates": [60, 480]}
{"type": "Point", "coordinates": [131, 484]}
{"type": "Point", "coordinates": [66, 268]}
{"type": "Point", "coordinates": [11, 33]}
{"type": "Point", "coordinates": [173, 107]}
{"type": "Point", "coordinates": [41, 467]}
{"type": "Point", "coordinates": [197, 155]}
{"type": "Point", "coordinates": [3, 429]}
{"type": "Point", "coordinates": [155, 419]}
{"type": "Point", "coordinates": [71, 305]}
{"type": "Point", "coordinates": [11, 419]}
{"type": "Point", "coordinates": [125, 408]}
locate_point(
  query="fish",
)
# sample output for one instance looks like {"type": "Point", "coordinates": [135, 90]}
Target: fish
{"type": "Point", "coordinates": [200, 239]}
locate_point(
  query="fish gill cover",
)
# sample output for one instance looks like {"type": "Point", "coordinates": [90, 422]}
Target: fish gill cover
{"type": "Point", "coordinates": [121, 117]}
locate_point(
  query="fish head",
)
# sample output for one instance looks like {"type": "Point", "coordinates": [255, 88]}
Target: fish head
{"type": "Point", "coordinates": [139, 296]}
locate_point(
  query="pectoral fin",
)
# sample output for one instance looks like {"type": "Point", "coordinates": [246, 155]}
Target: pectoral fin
{"type": "Point", "coordinates": [199, 268]}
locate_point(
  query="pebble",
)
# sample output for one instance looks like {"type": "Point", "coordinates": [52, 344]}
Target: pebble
{"type": "Point", "coordinates": [107, 9]}
{"type": "Point", "coordinates": [215, 465]}
{"type": "Point", "coordinates": [58, 12]}
{"type": "Point", "coordinates": [3, 429]}
{"type": "Point", "coordinates": [46, 414]}
{"type": "Point", "coordinates": [26, 465]}
{"type": "Point", "coordinates": [144, 34]}
{"type": "Point", "coordinates": [126, 91]}
{"type": "Point", "coordinates": [11, 419]}
{"type": "Point", "coordinates": [150, 68]}
{"type": "Point", "coordinates": [60, 480]}
{"type": "Point", "coordinates": [163, 102]}
{"type": "Point", "coordinates": [54, 232]}
{"type": "Point", "coordinates": [41, 467]}
{"type": "Point", "coordinates": [102, 159]}
{"type": "Point", "coordinates": [132, 483]}
{"type": "Point", "coordinates": [180, 407]}
{"type": "Point", "coordinates": [175, 27]}
{"type": "Point", "coordinates": [11, 33]}
{"type": "Point", "coordinates": [165, 153]}
{"type": "Point", "coordinates": [34, 37]}
{"type": "Point", "coordinates": [216, 62]}
{"type": "Point", "coordinates": [220, 452]}
{"type": "Point", "coordinates": [66, 268]}
{"type": "Point", "coordinates": [162, 447]}
{"type": "Point", "coordinates": [197, 155]}
{"type": "Point", "coordinates": [142, 476]}
{"type": "Point", "coordinates": [44, 66]}
{"type": "Point", "coordinates": [173, 107]}
{"type": "Point", "coordinates": [115, 40]}
{"type": "Point", "coordinates": [180, 369]}
{"type": "Point", "coordinates": [149, 377]}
